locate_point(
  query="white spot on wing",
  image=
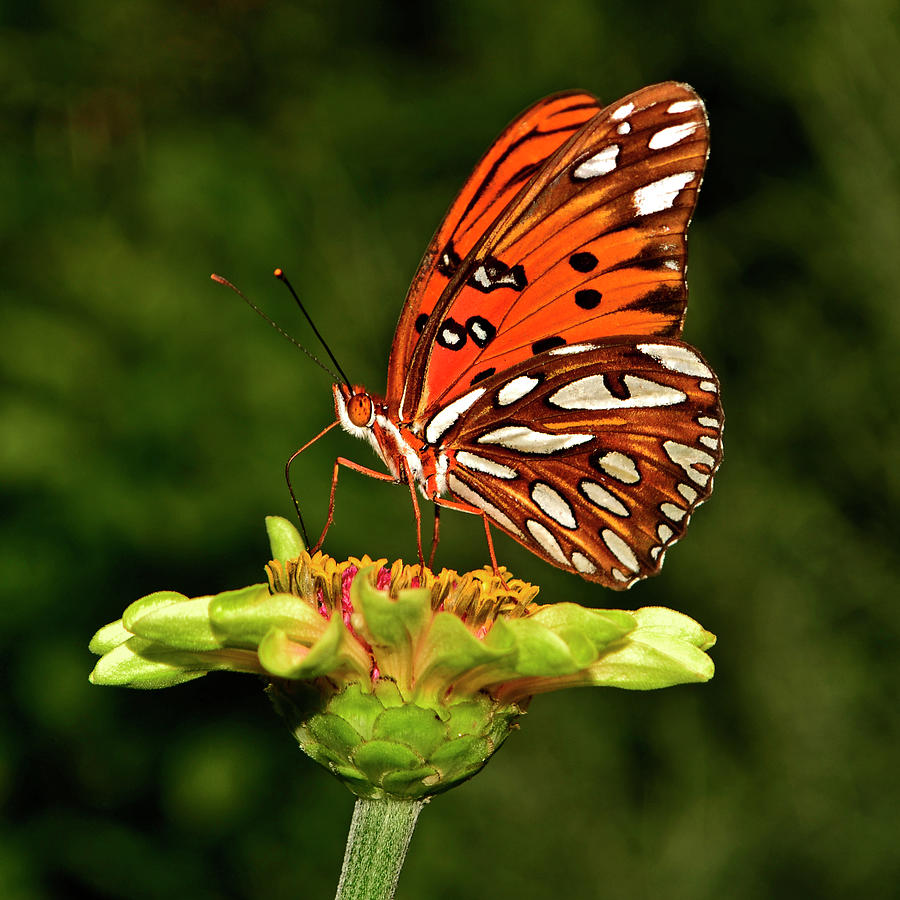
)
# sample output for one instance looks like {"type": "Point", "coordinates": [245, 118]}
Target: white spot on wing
{"type": "Point", "coordinates": [677, 358]}
{"type": "Point", "coordinates": [481, 276]}
{"type": "Point", "coordinates": [660, 195]}
{"type": "Point", "coordinates": [619, 576]}
{"type": "Point", "coordinates": [687, 458]}
{"type": "Point", "coordinates": [672, 511]}
{"type": "Point", "coordinates": [624, 110]}
{"type": "Point", "coordinates": [518, 437]}
{"type": "Point", "coordinates": [591, 392]}
{"type": "Point", "coordinates": [681, 106]}
{"type": "Point", "coordinates": [708, 422]}
{"type": "Point", "coordinates": [708, 386]}
{"type": "Point", "coordinates": [624, 128]}
{"type": "Point", "coordinates": [444, 419]}
{"type": "Point", "coordinates": [573, 348]}
{"type": "Point", "coordinates": [709, 441]}
{"type": "Point", "coordinates": [516, 389]}
{"type": "Point", "coordinates": [554, 504]}
{"type": "Point", "coordinates": [451, 337]}
{"type": "Point", "coordinates": [487, 466]}
{"type": "Point", "coordinates": [601, 163]}
{"type": "Point", "coordinates": [687, 492]}
{"type": "Point", "coordinates": [654, 553]}
{"type": "Point", "coordinates": [600, 496]}
{"type": "Point", "coordinates": [620, 550]}
{"type": "Point", "coordinates": [464, 492]}
{"type": "Point", "coordinates": [619, 466]}
{"type": "Point", "coordinates": [583, 564]}
{"type": "Point", "coordinates": [664, 532]}
{"type": "Point", "coordinates": [543, 536]}
{"type": "Point", "coordinates": [672, 135]}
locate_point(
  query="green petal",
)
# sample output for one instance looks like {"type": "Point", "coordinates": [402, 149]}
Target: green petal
{"type": "Point", "coordinates": [109, 637]}
{"type": "Point", "coordinates": [141, 664]}
{"type": "Point", "coordinates": [676, 624]}
{"type": "Point", "coordinates": [168, 617]}
{"type": "Point", "coordinates": [648, 660]}
{"type": "Point", "coordinates": [394, 624]}
{"type": "Point", "coordinates": [336, 653]}
{"type": "Point", "coordinates": [449, 651]}
{"type": "Point", "coordinates": [242, 618]}
{"type": "Point", "coordinates": [284, 539]}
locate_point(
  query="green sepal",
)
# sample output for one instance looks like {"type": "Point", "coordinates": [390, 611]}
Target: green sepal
{"type": "Point", "coordinates": [376, 758]}
{"type": "Point", "coordinates": [284, 539]}
{"type": "Point", "coordinates": [420, 729]}
{"type": "Point", "coordinates": [360, 708]}
{"type": "Point", "coordinates": [242, 618]}
{"type": "Point", "coordinates": [170, 618]}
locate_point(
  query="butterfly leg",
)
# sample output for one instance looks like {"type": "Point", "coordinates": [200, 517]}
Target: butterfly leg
{"type": "Point", "coordinates": [356, 467]}
{"type": "Point", "coordinates": [411, 481]}
{"type": "Point", "coordinates": [287, 478]}
{"type": "Point", "coordinates": [475, 511]}
{"type": "Point", "coordinates": [435, 535]}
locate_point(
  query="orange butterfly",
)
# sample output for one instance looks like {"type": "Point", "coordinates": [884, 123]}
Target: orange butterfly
{"type": "Point", "coordinates": [536, 377]}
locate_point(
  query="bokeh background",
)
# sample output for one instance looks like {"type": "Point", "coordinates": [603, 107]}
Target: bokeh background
{"type": "Point", "coordinates": [147, 413]}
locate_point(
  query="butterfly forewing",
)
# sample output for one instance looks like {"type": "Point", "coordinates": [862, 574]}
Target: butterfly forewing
{"type": "Point", "coordinates": [518, 155]}
{"type": "Point", "coordinates": [593, 458]}
{"type": "Point", "coordinates": [592, 246]}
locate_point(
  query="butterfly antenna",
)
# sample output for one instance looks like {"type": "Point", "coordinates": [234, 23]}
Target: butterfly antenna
{"type": "Point", "coordinates": [279, 274]}
{"type": "Point", "coordinates": [220, 280]}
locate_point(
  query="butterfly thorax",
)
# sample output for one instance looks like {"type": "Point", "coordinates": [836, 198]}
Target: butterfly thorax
{"type": "Point", "coordinates": [369, 417]}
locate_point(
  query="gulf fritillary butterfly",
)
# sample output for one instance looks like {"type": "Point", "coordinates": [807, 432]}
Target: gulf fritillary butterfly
{"type": "Point", "coordinates": [536, 377]}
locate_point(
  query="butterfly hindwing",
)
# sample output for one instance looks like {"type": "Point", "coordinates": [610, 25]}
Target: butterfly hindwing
{"type": "Point", "coordinates": [595, 457]}
{"type": "Point", "coordinates": [593, 246]}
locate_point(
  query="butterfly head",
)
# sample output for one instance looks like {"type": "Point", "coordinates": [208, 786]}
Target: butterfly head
{"type": "Point", "coordinates": [355, 408]}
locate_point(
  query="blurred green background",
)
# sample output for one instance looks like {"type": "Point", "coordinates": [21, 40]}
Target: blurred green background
{"type": "Point", "coordinates": [147, 413]}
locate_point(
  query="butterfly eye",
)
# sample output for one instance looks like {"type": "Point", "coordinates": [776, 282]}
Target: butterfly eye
{"type": "Point", "coordinates": [360, 410]}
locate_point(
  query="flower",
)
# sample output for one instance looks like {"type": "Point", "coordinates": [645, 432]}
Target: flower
{"type": "Point", "coordinates": [401, 681]}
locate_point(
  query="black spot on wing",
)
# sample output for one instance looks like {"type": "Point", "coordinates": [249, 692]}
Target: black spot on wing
{"type": "Point", "coordinates": [451, 335]}
{"type": "Point", "coordinates": [583, 261]}
{"type": "Point", "coordinates": [547, 343]}
{"type": "Point", "coordinates": [448, 261]}
{"type": "Point", "coordinates": [482, 375]}
{"type": "Point", "coordinates": [492, 273]}
{"type": "Point", "coordinates": [480, 330]}
{"type": "Point", "coordinates": [588, 298]}
{"type": "Point", "coordinates": [421, 319]}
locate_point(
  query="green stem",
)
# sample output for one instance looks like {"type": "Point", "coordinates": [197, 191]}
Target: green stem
{"type": "Point", "coordinates": [376, 847]}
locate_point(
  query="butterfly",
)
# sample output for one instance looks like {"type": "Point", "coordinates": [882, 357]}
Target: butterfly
{"type": "Point", "coordinates": [536, 376]}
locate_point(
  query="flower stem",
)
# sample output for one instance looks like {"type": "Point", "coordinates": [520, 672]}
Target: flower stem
{"type": "Point", "coordinates": [376, 847]}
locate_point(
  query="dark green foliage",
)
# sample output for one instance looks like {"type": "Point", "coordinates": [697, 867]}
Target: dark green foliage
{"type": "Point", "coordinates": [144, 145]}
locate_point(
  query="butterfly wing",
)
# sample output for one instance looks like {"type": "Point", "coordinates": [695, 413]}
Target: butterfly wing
{"type": "Point", "coordinates": [517, 156]}
{"type": "Point", "coordinates": [593, 245]}
{"type": "Point", "coordinates": [593, 456]}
